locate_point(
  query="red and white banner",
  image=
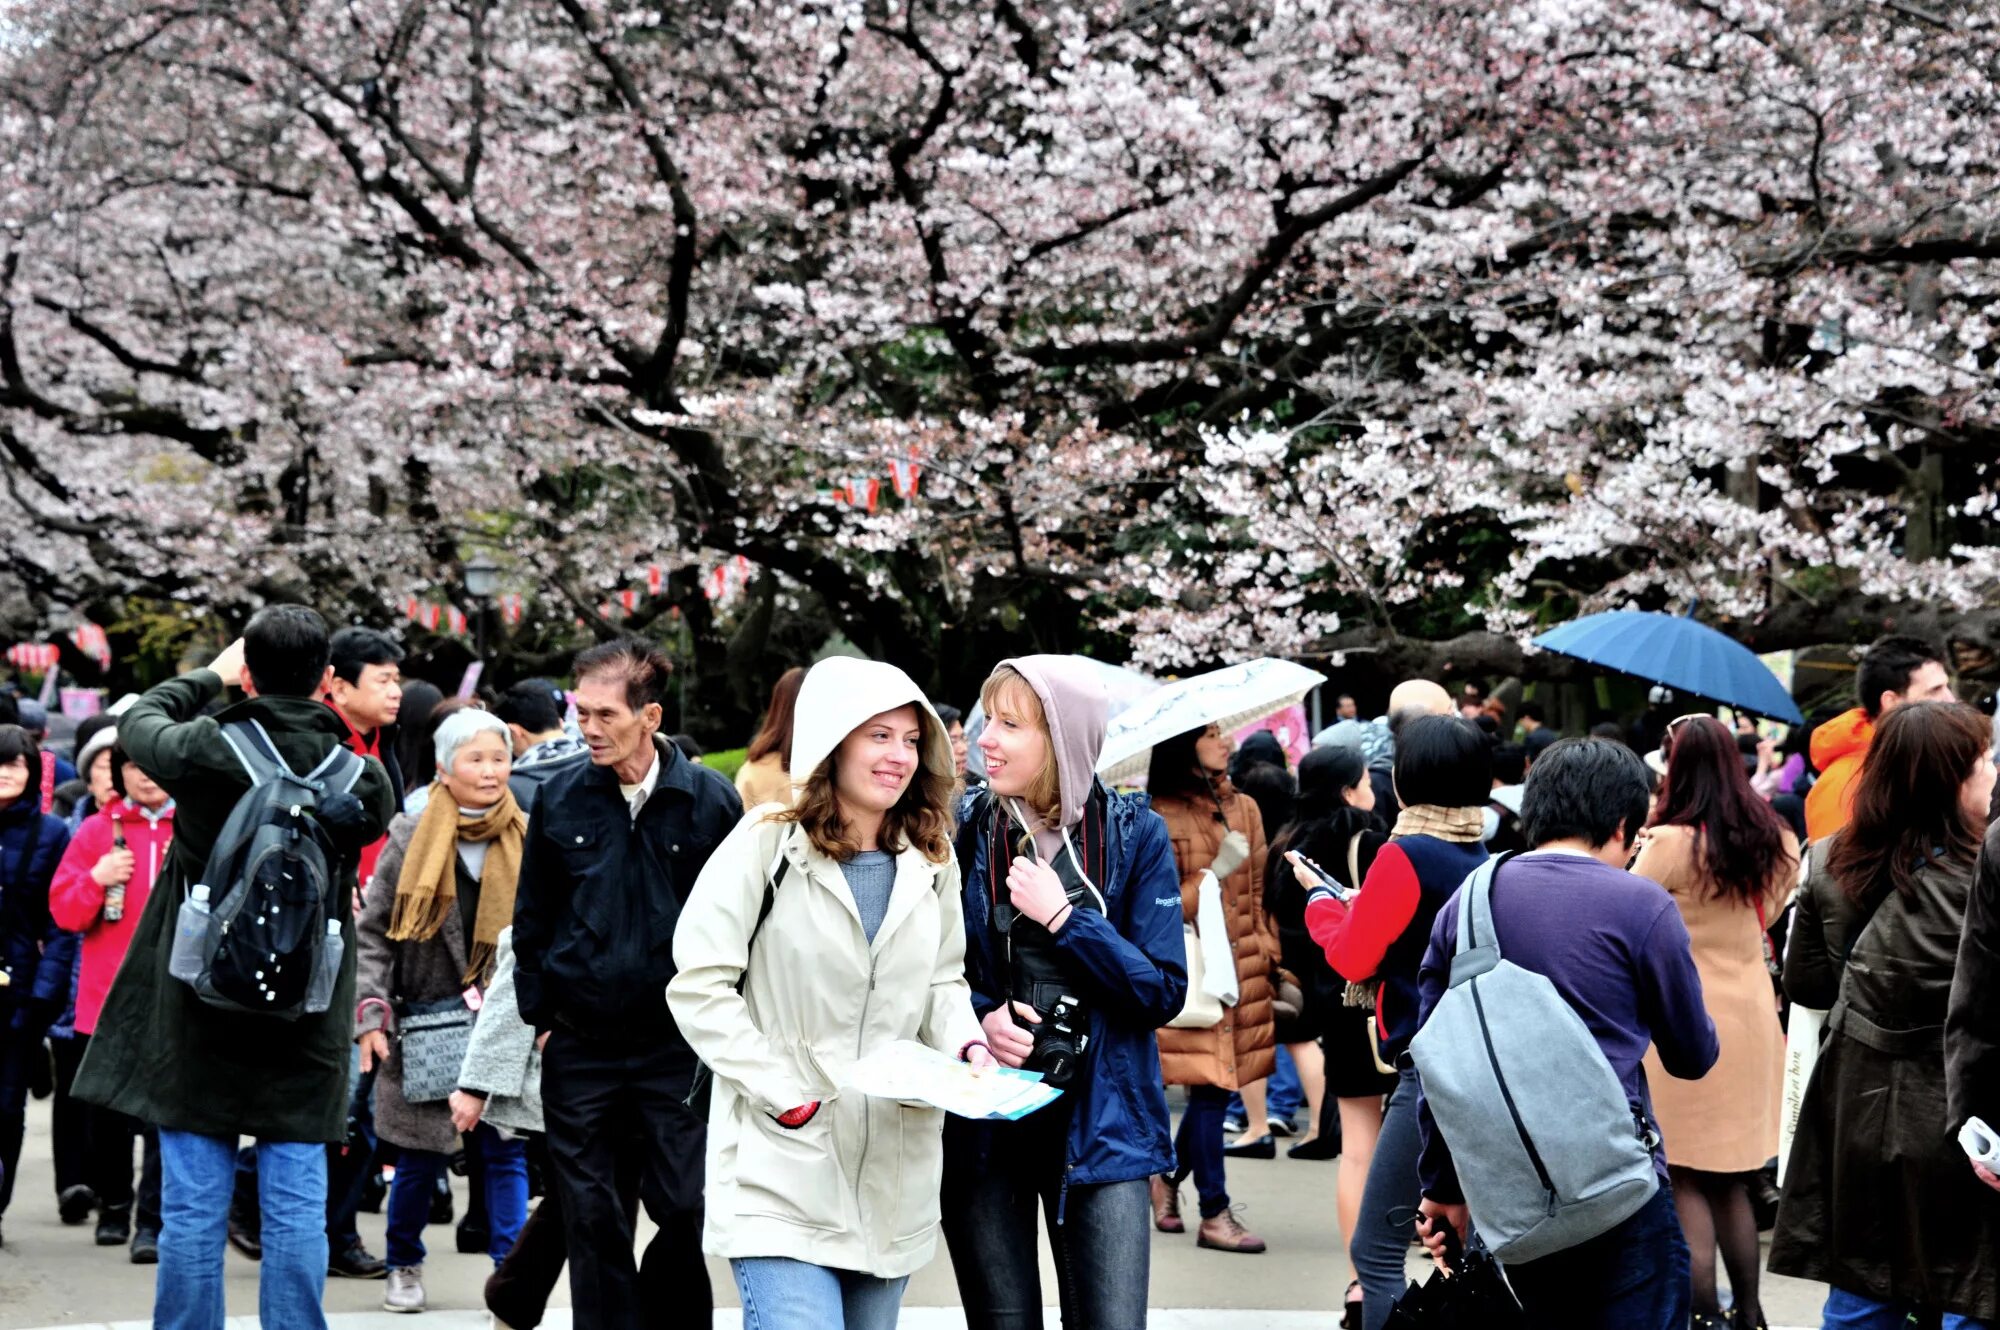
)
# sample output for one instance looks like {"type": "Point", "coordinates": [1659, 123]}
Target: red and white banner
{"type": "Point", "coordinates": [34, 657]}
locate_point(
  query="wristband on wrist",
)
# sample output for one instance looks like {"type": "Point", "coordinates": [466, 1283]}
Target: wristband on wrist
{"type": "Point", "coordinates": [971, 1044]}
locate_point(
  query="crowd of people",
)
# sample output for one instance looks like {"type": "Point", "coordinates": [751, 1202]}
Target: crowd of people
{"type": "Point", "coordinates": [548, 946]}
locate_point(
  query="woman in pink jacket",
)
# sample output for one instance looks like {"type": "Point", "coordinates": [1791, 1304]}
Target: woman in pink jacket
{"type": "Point", "coordinates": [100, 890]}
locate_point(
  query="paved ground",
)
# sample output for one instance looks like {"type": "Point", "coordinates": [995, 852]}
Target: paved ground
{"type": "Point", "coordinates": [53, 1276]}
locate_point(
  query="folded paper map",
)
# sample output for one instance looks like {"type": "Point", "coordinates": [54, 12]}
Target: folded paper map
{"type": "Point", "coordinates": [915, 1073]}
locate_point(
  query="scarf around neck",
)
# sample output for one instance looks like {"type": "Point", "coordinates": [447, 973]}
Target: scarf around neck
{"type": "Point", "coordinates": [1453, 824]}
{"type": "Point", "coordinates": [427, 888]}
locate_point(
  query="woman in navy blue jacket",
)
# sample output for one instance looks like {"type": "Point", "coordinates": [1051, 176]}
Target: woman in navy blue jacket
{"type": "Point", "coordinates": [35, 955]}
{"type": "Point", "coordinates": [1074, 955]}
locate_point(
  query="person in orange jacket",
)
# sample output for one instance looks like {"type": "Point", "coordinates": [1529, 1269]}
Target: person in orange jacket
{"type": "Point", "coordinates": [1895, 670]}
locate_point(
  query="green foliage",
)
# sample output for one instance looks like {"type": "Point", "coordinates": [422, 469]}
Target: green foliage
{"type": "Point", "coordinates": [728, 761]}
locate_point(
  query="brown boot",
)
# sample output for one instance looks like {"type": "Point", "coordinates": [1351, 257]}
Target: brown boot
{"type": "Point", "coordinates": [1166, 1207]}
{"type": "Point", "coordinates": [1223, 1233]}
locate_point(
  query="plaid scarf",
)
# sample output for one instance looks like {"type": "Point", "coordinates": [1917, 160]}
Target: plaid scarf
{"type": "Point", "coordinates": [1453, 824]}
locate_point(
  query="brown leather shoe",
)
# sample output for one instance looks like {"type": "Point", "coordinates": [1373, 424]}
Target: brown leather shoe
{"type": "Point", "coordinates": [1224, 1233]}
{"type": "Point", "coordinates": [1166, 1207]}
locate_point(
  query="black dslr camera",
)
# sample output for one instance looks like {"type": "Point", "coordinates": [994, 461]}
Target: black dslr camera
{"type": "Point", "coordinates": [1035, 976]}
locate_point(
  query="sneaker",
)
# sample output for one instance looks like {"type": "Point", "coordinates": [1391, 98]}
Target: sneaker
{"type": "Point", "coordinates": [1234, 1125]}
{"type": "Point", "coordinates": [406, 1290]}
{"type": "Point", "coordinates": [1283, 1127]}
{"type": "Point", "coordinates": [75, 1204]}
{"type": "Point", "coordinates": [357, 1262]}
{"type": "Point", "coordinates": [145, 1248]}
{"type": "Point", "coordinates": [1166, 1206]}
{"type": "Point", "coordinates": [114, 1226]}
{"type": "Point", "coordinates": [1225, 1233]}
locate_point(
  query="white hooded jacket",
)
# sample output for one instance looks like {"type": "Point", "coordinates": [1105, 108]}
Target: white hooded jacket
{"type": "Point", "coordinates": [856, 1187]}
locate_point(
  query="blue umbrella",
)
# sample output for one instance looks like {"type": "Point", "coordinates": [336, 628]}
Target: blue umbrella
{"type": "Point", "coordinates": [1678, 652]}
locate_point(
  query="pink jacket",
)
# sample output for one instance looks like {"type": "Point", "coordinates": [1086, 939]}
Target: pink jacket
{"type": "Point", "coordinates": [77, 902]}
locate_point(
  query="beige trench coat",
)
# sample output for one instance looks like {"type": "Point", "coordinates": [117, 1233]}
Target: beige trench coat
{"type": "Point", "coordinates": [855, 1188]}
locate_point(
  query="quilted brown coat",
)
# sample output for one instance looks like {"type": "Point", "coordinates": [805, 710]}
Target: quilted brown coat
{"type": "Point", "coordinates": [1242, 1048]}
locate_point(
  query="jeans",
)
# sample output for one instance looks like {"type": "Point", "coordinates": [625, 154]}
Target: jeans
{"type": "Point", "coordinates": [1383, 1225]}
{"type": "Point", "coordinates": [1633, 1278]}
{"type": "Point", "coordinates": [782, 1294]}
{"type": "Point", "coordinates": [1198, 1146]}
{"type": "Point", "coordinates": [197, 1173]}
{"type": "Point", "coordinates": [416, 1180]}
{"type": "Point", "coordinates": [1101, 1234]}
{"type": "Point", "coordinates": [1852, 1311]}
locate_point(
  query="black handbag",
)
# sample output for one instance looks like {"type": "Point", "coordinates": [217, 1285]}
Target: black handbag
{"type": "Point", "coordinates": [1474, 1297]}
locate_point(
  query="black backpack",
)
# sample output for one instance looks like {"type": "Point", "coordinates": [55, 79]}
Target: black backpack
{"type": "Point", "coordinates": [270, 879]}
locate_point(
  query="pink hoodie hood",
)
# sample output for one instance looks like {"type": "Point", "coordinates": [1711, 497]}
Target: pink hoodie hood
{"type": "Point", "coordinates": [1074, 701]}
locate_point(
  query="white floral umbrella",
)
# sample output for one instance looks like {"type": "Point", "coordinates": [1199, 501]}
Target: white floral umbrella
{"type": "Point", "coordinates": [1231, 697]}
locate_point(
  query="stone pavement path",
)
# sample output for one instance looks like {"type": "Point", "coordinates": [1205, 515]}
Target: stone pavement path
{"type": "Point", "coordinates": [53, 1276]}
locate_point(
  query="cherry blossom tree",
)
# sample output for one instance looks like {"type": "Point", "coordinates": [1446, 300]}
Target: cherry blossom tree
{"type": "Point", "coordinates": [1297, 327]}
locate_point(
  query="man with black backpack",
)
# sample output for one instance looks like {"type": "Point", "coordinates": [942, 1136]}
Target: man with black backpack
{"type": "Point", "coordinates": [1537, 1012]}
{"type": "Point", "coordinates": [196, 1035]}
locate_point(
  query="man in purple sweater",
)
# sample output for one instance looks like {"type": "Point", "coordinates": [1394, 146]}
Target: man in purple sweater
{"type": "Point", "coordinates": [1615, 948]}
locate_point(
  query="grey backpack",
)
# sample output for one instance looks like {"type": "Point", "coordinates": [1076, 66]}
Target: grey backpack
{"type": "Point", "coordinates": [1549, 1151]}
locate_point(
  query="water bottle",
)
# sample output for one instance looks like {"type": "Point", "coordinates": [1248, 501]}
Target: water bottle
{"type": "Point", "coordinates": [319, 993]}
{"type": "Point", "coordinates": [114, 895]}
{"type": "Point", "coordinates": [190, 937]}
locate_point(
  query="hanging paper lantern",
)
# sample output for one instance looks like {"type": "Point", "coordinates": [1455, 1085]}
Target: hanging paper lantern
{"type": "Point", "coordinates": [92, 641]}
{"type": "Point", "coordinates": [655, 579]}
{"type": "Point", "coordinates": [456, 622]}
{"type": "Point", "coordinates": [629, 599]}
{"type": "Point", "coordinates": [33, 657]}
{"type": "Point", "coordinates": [903, 476]}
{"type": "Point", "coordinates": [513, 609]}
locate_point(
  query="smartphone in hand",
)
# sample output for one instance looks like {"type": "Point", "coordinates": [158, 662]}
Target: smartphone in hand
{"type": "Point", "coordinates": [1320, 877]}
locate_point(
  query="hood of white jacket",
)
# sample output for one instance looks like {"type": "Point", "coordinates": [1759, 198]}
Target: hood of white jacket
{"type": "Point", "coordinates": [840, 694]}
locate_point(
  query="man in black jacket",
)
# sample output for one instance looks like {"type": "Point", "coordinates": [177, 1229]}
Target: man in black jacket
{"type": "Point", "coordinates": [613, 849]}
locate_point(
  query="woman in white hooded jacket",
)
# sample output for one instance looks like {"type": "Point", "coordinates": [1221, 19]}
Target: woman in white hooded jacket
{"type": "Point", "coordinates": [815, 935]}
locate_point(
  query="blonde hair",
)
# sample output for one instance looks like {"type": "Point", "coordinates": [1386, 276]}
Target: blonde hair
{"type": "Point", "coordinates": [1008, 693]}
{"type": "Point", "coordinates": [921, 817]}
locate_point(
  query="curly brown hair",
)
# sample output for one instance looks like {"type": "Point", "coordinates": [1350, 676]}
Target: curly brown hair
{"type": "Point", "coordinates": [921, 817]}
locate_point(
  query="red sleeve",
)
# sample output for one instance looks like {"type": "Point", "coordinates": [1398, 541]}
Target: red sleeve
{"type": "Point", "coordinates": [75, 899]}
{"type": "Point", "coordinates": [1356, 937]}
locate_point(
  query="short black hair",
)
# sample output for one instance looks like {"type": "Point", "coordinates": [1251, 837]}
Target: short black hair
{"type": "Point", "coordinates": [354, 649]}
{"type": "Point", "coordinates": [536, 705]}
{"type": "Point", "coordinates": [1607, 729]}
{"type": "Point", "coordinates": [1345, 697]}
{"type": "Point", "coordinates": [1591, 789]}
{"type": "Point", "coordinates": [1510, 763]}
{"type": "Point", "coordinates": [1888, 665]}
{"type": "Point", "coordinates": [1531, 711]}
{"type": "Point", "coordinates": [641, 665]}
{"type": "Point", "coordinates": [1442, 760]}
{"type": "Point", "coordinates": [17, 742]}
{"type": "Point", "coordinates": [10, 710]}
{"type": "Point", "coordinates": [285, 649]}
{"type": "Point", "coordinates": [1540, 742]}
{"type": "Point", "coordinates": [689, 748]}
{"type": "Point", "coordinates": [949, 714]}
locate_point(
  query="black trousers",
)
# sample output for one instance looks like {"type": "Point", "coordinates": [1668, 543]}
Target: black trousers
{"type": "Point", "coordinates": [69, 1121]}
{"type": "Point", "coordinates": [518, 1292]}
{"type": "Point", "coordinates": [615, 1114]}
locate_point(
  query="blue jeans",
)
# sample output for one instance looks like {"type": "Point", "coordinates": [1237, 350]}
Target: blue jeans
{"type": "Point", "coordinates": [1198, 1146]}
{"type": "Point", "coordinates": [1383, 1225]}
{"type": "Point", "coordinates": [1633, 1278]}
{"type": "Point", "coordinates": [782, 1294]}
{"type": "Point", "coordinates": [417, 1172]}
{"type": "Point", "coordinates": [1852, 1311]}
{"type": "Point", "coordinates": [196, 1176]}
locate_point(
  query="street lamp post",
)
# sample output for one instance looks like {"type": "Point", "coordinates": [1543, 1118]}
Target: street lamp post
{"type": "Point", "coordinates": [482, 579]}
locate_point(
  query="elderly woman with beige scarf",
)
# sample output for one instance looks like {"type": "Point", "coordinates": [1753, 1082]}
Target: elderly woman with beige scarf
{"type": "Point", "coordinates": [443, 891]}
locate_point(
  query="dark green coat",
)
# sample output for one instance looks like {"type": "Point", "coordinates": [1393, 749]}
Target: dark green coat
{"type": "Point", "coordinates": [160, 1053]}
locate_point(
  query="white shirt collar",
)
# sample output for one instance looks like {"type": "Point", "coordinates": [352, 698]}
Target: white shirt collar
{"type": "Point", "coordinates": [637, 795]}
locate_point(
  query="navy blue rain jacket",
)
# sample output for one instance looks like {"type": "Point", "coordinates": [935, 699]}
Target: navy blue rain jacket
{"type": "Point", "coordinates": [39, 957]}
{"type": "Point", "coordinates": [1131, 966]}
